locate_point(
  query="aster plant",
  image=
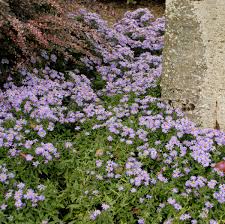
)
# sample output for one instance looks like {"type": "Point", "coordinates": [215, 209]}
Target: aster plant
{"type": "Point", "coordinates": [78, 149]}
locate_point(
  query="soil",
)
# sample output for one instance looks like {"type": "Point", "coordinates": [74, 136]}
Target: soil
{"type": "Point", "coordinates": [112, 11]}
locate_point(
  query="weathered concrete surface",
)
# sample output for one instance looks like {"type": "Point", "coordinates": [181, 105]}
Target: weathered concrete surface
{"type": "Point", "coordinates": [194, 60]}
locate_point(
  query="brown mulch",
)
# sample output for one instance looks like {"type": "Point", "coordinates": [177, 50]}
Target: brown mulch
{"type": "Point", "coordinates": [112, 11]}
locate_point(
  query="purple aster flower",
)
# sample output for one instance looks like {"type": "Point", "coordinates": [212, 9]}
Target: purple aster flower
{"type": "Point", "coordinates": [21, 186]}
{"type": "Point", "coordinates": [177, 206]}
{"type": "Point", "coordinates": [18, 194]}
{"type": "Point", "coordinates": [3, 177]}
{"type": "Point", "coordinates": [109, 138]}
{"type": "Point", "coordinates": [95, 214]}
{"type": "Point", "coordinates": [141, 221]}
{"type": "Point", "coordinates": [175, 190]}
{"type": "Point", "coordinates": [41, 198]}
{"type": "Point", "coordinates": [212, 221]}
{"type": "Point", "coordinates": [53, 57]}
{"type": "Point", "coordinates": [36, 163]}
{"type": "Point", "coordinates": [148, 196]}
{"type": "Point", "coordinates": [3, 207]}
{"type": "Point", "coordinates": [129, 142]}
{"type": "Point", "coordinates": [105, 206]}
{"type": "Point", "coordinates": [41, 187]}
{"type": "Point", "coordinates": [171, 201]}
{"type": "Point", "coordinates": [208, 204]}
{"type": "Point", "coordinates": [18, 204]}
{"type": "Point", "coordinates": [68, 145]}
{"type": "Point", "coordinates": [185, 216]}
{"type": "Point", "coordinates": [133, 190]}
{"type": "Point", "coordinates": [98, 163]}
{"type": "Point", "coordinates": [29, 157]}
{"type": "Point", "coordinates": [212, 183]}
{"type": "Point", "coordinates": [44, 222]}
{"type": "Point", "coordinates": [42, 133]}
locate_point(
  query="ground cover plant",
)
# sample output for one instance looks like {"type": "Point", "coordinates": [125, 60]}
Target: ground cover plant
{"type": "Point", "coordinates": [97, 145]}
